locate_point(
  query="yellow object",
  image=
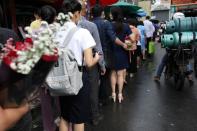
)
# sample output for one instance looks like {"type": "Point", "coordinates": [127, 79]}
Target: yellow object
{"type": "Point", "coordinates": [35, 24]}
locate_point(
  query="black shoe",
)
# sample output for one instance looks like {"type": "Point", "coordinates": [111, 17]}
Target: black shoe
{"type": "Point", "coordinates": [156, 78]}
{"type": "Point", "coordinates": [97, 119]}
{"type": "Point", "coordinates": [191, 82]}
{"type": "Point", "coordinates": [104, 102]}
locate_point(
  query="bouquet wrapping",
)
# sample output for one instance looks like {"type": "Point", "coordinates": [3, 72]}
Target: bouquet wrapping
{"type": "Point", "coordinates": [131, 46]}
{"type": "Point", "coordinates": [25, 65]}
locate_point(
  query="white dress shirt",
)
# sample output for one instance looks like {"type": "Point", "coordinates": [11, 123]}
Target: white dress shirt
{"type": "Point", "coordinates": [149, 28]}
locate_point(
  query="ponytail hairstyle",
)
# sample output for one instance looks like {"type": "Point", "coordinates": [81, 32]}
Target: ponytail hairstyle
{"type": "Point", "coordinates": [132, 21]}
{"type": "Point", "coordinates": [71, 6]}
{"type": "Point", "coordinates": [117, 18]}
{"type": "Point", "coordinates": [97, 11]}
{"type": "Point", "coordinates": [48, 14]}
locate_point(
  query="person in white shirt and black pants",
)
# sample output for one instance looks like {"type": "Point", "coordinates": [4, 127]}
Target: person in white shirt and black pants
{"type": "Point", "coordinates": [149, 30]}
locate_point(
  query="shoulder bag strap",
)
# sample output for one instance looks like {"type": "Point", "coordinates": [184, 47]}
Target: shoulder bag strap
{"type": "Point", "coordinates": [70, 35]}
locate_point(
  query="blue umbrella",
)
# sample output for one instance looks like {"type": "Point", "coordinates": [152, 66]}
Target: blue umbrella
{"type": "Point", "coordinates": [141, 13]}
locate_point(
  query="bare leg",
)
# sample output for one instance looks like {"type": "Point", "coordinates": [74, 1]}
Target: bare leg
{"type": "Point", "coordinates": [113, 84]}
{"type": "Point", "coordinates": [120, 84]}
{"type": "Point", "coordinates": [78, 127]}
{"type": "Point", "coordinates": [125, 75]}
{"type": "Point", "coordinates": [64, 125]}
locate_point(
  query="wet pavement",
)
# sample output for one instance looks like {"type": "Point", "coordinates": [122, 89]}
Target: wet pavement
{"type": "Point", "coordinates": [150, 106]}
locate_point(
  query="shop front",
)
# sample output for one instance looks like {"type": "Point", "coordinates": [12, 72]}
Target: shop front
{"type": "Point", "coordinates": [19, 13]}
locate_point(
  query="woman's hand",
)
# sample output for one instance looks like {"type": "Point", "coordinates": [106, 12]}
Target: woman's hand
{"type": "Point", "coordinates": [89, 59]}
{"type": "Point", "coordinates": [97, 57]}
{"type": "Point", "coordinates": [125, 46]}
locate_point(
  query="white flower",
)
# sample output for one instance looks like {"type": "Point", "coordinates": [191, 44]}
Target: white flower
{"type": "Point", "coordinates": [29, 62]}
{"type": "Point", "coordinates": [44, 24]}
{"type": "Point", "coordinates": [13, 66]}
{"type": "Point", "coordinates": [70, 14]}
{"type": "Point", "coordinates": [27, 28]}
{"type": "Point", "coordinates": [60, 15]}
{"type": "Point", "coordinates": [34, 36]}
{"type": "Point", "coordinates": [36, 43]}
{"type": "Point", "coordinates": [27, 36]}
{"type": "Point", "coordinates": [43, 44]}
{"type": "Point", "coordinates": [21, 58]}
{"type": "Point", "coordinates": [33, 50]}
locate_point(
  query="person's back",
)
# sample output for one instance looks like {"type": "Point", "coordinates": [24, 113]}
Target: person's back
{"type": "Point", "coordinates": [142, 30]}
{"type": "Point", "coordinates": [92, 28]}
{"type": "Point", "coordinates": [136, 32]}
{"type": "Point", "coordinates": [103, 27]}
{"type": "Point", "coordinates": [149, 28]}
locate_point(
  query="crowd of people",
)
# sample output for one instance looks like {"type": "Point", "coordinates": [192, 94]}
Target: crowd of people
{"type": "Point", "coordinates": [107, 51]}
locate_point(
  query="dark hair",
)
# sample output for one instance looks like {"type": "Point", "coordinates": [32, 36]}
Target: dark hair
{"type": "Point", "coordinates": [37, 12]}
{"type": "Point", "coordinates": [148, 17]}
{"type": "Point", "coordinates": [140, 23]}
{"type": "Point", "coordinates": [71, 6]}
{"type": "Point", "coordinates": [132, 21]}
{"type": "Point", "coordinates": [117, 18]}
{"type": "Point", "coordinates": [97, 11]}
{"type": "Point", "coordinates": [48, 13]}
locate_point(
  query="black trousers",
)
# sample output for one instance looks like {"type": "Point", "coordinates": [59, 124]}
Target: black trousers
{"type": "Point", "coordinates": [105, 85]}
{"type": "Point", "coordinates": [93, 76]}
{"type": "Point", "coordinates": [133, 62]}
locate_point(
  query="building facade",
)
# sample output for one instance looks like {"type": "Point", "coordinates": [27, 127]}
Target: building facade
{"type": "Point", "coordinates": [146, 6]}
{"type": "Point", "coordinates": [188, 7]}
{"type": "Point", "coordinates": [175, 2]}
{"type": "Point", "coordinates": [19, 13]}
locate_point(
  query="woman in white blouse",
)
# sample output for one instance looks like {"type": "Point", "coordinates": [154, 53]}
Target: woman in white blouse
{"type": "Point", "coordinates": [75, 109]}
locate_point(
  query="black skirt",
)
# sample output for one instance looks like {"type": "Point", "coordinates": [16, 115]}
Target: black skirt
{"type": "Point", "coordinates": [76, 109]}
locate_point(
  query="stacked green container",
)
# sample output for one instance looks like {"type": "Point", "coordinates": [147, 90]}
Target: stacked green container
{"type": "Point", "coordinates": [167, 40]}
{"type": "Point", "coordinates": [183, 24]}
{"type": "Point", "coordinates": [172, 40]}
{"type": "Point", "coordinates": [186, 28]}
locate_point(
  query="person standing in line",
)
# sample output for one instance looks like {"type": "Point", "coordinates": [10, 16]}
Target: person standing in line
{"type": "Point", "coordinates": [120, 54]}
{"type": "Point", "coordinates": [140, 26]}
{"type": "Point", "coordinates": [149, 30]}
{"type": "Point", "coordinates": [49, 104]}
{"type": "Point", "coordinates": [135, 54]}
{"type": "Point", "coordinates": [107, 37]}
{"type": "Point", "coordinates": [93, 74]}
{"type": "Point", "coordinates": [76, 109]}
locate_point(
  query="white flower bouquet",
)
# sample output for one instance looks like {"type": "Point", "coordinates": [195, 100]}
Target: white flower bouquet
{"type": "Point", "coordinates": [25, 64]}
